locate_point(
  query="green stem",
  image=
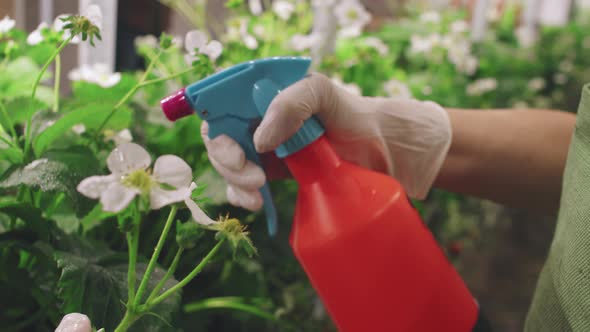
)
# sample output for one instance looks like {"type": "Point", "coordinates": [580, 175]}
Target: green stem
{"type": "Point", "coordinates": [170, 272]}
{"type": "Point", "coordinates": [228, 303]}
{"type": "Point", "coordinates": [37, 199]}
{"type": "Point", "coordinates": [132, 244]}
{"type": "Point", "coordinates": [127, 321]}
{"type": "Point", "coordinates": [155, 255]}
{"type": "Point", "coordinates": [5, 140]}
{"type": "Point", "coordinates": [150, 54]}
{"type": "Point", "coordinates": [56, 84]}
{"type": "Point", "coordinates": [35, 85]}
{"type": "Point", "coordinates": [31, 196]}
{"type": "Point", "coordinates": [130, 93]}
{"type": "Point", "coordinates": [189, 12]}
{"type": "Point", "coordinates": [56, 202]}
{"type": "Point", "coordinates": [46, 65]}
{"type": "Point", "coordinates": [158, 80]}
{"type": "Point", "coordinates": [188, 278]}
{"type": "Point", "coordinates": [268, 42]}
{"type": "Point", "coordinates": [9, 122]}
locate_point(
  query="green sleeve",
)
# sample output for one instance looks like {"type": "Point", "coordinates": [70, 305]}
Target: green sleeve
{"type": "Point", "coordinates": [561, 301]}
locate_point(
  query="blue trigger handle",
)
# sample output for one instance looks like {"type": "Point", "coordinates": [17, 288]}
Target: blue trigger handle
{"type": "Point", "coordinates": [240, 131]}
{"type": "Point", "coordinates": [235, 99]}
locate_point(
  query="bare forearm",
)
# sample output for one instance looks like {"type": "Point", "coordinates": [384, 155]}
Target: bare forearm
{"type": "Point", "coordinates": [513, 157]}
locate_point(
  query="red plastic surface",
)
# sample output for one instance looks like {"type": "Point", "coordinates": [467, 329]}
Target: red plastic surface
{"type": "Point", "coordinates": [367, 252]}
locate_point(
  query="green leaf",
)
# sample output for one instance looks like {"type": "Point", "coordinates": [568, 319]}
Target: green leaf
{"type": "Point", "coordinates": [91, 116]}
{"type": "Point", "coordinates": [94, 218]}
{"type": "Point", "coordinates": [233, 4]}
{"type": "Point", "coordinates": [12, 155]}
{"type": "Point", "coordinates": [58, 171]}
{"type": "Point", "coordinates": [18, 78]}
{"type": "Point", "coordinates": [41, 52]}
{"type": "Point", "coordinates": [95, 285]}
{"type": "Point", "coordinates": [89, 92]}
{"type": "Point", "coordinates": [42, 120]}
{"type": "Point", "coordinates": [28, 273]}
{"type": "Point", "coordinates": [19, 108]}
{"type": "Point", "coordinates": [32, 217]}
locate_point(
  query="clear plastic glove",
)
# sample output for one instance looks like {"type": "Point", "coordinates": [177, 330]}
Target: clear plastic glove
{"type": "Point", "coordinates": [405, 138]}
{"type": "Point", "coordinates": [74, 322]}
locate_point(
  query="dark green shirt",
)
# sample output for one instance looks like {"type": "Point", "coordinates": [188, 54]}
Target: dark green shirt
{"type": "Point", "coordinates": [562, 299]}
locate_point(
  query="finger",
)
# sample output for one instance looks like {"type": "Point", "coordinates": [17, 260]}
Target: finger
{"type": "Point", "coordinates": [223, 149]}
{"type": "Point", "coordinates": [289, 109]}
{"type": "Point", "coordinates": [250, 177]}
{"type": "Point", "coordinates": [74, 322]}
{"type": "Point", "coordinates": [250, 200]}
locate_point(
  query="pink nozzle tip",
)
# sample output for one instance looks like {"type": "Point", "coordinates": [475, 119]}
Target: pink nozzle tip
{"type": "Point", "coordinates": [176, 106]}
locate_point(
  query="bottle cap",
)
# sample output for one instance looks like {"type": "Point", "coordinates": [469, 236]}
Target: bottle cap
{"type": "Point", "coordinates": [176, 106]}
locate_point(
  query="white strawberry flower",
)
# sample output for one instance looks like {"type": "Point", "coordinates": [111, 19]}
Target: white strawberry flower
{"type": "Point", "coordinates": [259, 30]}
{"type": "Point", "coordinates": [323, 3]}
{"type": "Point", "coordinates": [481, 86]}
{"type": "Point", "coordinates": [459, 54]}
{"type": "Point", "coordinates": [198, 215]}
{"type": "Point", "coordinates": [97, 73]}
{"type": "Point", "coordinates": [36, 36]}
{"type": "Point", "coordinates": [197, 41]}
{"type": "Point", "coordinates": [304, 42]}
{"type": "Point", "coordinates": [58, 25]}
{"type": "Point", "coordinates": [283, 9]}
{"type": "Point", "coordinates": [131, 177]}
{"type": "Point", "coordinates": [536, 84]}
{"type": "Point", "coordinates": [423, 45]}
{"type": "Point", "coordinates": [352, 17]}
{"type": "Point", "coordinates": [120, 137]}
{"type": "Point", "coordinates": [6, 24]}
{"type": "Point", "coordinates": [149, 41]}
{"type": "Point", "coordinates": [397, 89]}
{"type": "Point", "coordinates": [94, 15]}
{"type": "Point", "coordinates": [377, 44]}
{"type": "Point", "coordinates": [255, 7]}
{"type": "Point", "coordinates": [468, 66]}
{"type": "Point", "coordinates": [79, 128]}
{"type": "Point", "coordinates": [560, 78]}
{"type": "Point", "coordinates": [459, 27]}
{"type": "Point", "coordinates": [238, 30]}
{"type": "Point", "coordinates": [526, 36]}
{"type": "Point", "coordinates": [430, 17]}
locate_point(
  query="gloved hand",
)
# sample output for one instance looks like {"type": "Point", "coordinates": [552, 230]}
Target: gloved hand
{"type": "Point", "coordinates": [74, 322]}
{"type": "Point", "coordinates": [405, 138]}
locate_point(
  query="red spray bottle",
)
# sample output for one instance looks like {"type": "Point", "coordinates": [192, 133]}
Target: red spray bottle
{"type": "Point", "coordinates": [364, 247]}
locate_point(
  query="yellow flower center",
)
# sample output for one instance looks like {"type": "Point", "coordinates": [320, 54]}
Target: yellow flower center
{"type": "Point", "coordinates": [139, 179]}
{"type": "Point", "coordinates": [352, 14]}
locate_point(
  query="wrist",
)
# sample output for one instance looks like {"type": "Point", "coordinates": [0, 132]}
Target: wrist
{"type": "Point", "coordinates": [418, 136]}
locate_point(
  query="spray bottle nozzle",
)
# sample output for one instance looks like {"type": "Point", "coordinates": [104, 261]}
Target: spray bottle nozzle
{"type": "Point", "coordinates": [176, 106]}
{"type": "Point", "coordinates": [232, 99]}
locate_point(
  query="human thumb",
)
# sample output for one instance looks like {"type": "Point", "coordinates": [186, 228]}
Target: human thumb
{"type": "Point", "coordinates": [289, 109]}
